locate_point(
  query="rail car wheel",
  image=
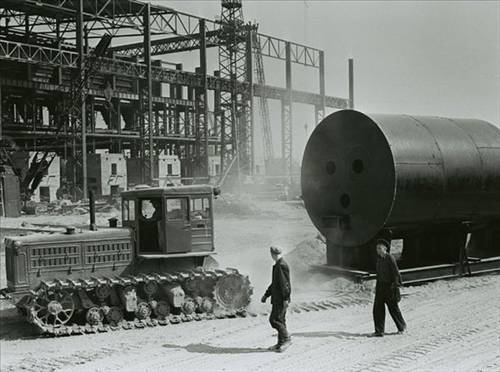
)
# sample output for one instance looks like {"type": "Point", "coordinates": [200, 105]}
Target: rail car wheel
{"type": "Point", "coordinates": [52, 309]}
{"type": "Point", "coordinates": [233, 292]}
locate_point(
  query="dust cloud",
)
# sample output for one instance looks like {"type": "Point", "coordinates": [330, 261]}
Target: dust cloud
{"type": "Point", "coordinates": [243, 241]}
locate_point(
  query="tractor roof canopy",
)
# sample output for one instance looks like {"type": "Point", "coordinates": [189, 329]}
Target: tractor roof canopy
{"type": "Point", "coordinates": [140, 192]}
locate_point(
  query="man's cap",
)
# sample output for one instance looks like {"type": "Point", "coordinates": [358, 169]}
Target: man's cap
{"type": "Point", "coordinates": [384, 242]}
{"type": "Point", "coordinates": [275, 249]}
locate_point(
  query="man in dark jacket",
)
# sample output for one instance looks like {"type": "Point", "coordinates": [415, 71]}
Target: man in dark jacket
{"type": "Point", "coordinates": [279, 291]}
{"type": "Point", "coordinates": [387, 290]}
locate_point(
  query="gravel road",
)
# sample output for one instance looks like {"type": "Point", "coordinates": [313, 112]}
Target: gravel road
{"type": "Point", "coordinates": [453, 325]}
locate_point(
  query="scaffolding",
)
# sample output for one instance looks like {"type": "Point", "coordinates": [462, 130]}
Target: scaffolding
{"type": "Point", "coordinates": [45, 43]}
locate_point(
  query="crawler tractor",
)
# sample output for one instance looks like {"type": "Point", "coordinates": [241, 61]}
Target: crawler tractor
{"type": "Point", "coordinates": [154, 270]}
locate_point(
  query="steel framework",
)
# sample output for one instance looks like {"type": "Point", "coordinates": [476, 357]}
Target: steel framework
{"type": "Point", "coordinates": [237, 106]}
{"type": "Point", "coordinates": [43, 44]}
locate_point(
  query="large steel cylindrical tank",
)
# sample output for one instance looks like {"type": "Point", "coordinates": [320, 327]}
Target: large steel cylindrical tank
{"type": "Point", "coordinates": [364, 173]}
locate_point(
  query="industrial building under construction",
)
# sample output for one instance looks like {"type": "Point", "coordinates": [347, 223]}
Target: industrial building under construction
{"type": "Point", "coordinates": [96, 88]}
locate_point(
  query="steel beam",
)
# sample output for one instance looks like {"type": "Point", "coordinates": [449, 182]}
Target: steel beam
{"type": "Point", "coordinates": [16, 133]}
{"type": "Point", "coordinates": [249, 117]}
{"type": "Point", "coordinates": [217, 108]}
{"type": "Point", "coordinates": [263, 104]}
{"type": "Point", "coordinates": [277, 48]}
{"type": "Point", "coordinates": [115, 15]}
{"type": "Point", "coordinates": [201, 128]}
{"type": "Point", "coordinates": [148, 154]}
{"type": "Point", "coordinates": [298, 96]}
{"type": "Point", "coordinates": [93, 92]}
{"type": "Point", "coordinates": [271, 47]}
{"type": "Point", "coordinates": [82, 120]}
{"type": "Point", "coordinates": [287, 116]}
{"type": "Point", "coordinates": [1, 120]}
{"type": "Point", "coordinates": [177, 109]}
{"type": "Point", "coordinates": [27, 53]}
{"type": "Point", "coordinates": [170, 45]}
{"type": "Point", "coordinates": [321, 109]}
{"type": "Point", "coordinates": [111, 16]}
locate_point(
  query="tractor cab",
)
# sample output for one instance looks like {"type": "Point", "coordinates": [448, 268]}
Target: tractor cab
{"type": "Point", "coordinates": [170, 222]}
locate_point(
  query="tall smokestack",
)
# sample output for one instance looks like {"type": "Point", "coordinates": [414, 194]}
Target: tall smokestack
{"type": "Point", "coordinates": [351, 83]}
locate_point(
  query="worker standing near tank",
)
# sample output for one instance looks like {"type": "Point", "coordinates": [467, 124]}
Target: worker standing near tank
{"type": "Point", "coordinates": [387, 290]}
{"type": "Point", "coordinates": [279, 291]}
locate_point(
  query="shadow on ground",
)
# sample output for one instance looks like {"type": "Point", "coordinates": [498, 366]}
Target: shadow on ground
{"type": "Point", "coordinates": [338, 334]}
{"type": "Point", "coordinates": [14, 327]}
{"type": "Point", "coordinates": [209, 349]}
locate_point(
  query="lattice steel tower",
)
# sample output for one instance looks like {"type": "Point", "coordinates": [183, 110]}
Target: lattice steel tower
{"type": "Point", "coordinates": [235, 64]}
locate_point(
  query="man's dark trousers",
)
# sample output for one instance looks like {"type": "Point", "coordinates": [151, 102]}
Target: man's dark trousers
{"type": "Point", "coordinates": [279, 291]}
{"type": "Point", "coordinates": [278, 321]}
{"type": "Point", "coordinates": [384, 294]}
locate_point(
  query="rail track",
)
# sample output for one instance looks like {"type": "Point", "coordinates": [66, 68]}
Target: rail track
{"type": "Point", "coordinates": [425, 274]}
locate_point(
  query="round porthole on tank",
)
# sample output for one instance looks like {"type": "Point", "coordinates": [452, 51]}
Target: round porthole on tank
{"type": "Point", "coordinates": [331, 167]}
{"type": "Point", "coordinates": [358, 166]}
{"type": "Point", "coordinates": [345, 200]}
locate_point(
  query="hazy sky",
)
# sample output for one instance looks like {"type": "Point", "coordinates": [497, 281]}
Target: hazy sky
{"type": "Point", "coordinates": [428, 58]}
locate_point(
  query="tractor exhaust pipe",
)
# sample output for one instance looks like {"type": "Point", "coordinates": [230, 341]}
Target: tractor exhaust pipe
{"type": "Point", "coordinates": [93, 226]}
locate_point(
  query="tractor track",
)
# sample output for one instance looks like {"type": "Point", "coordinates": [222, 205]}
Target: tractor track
{"type": "Point", "coordinates": [67, 289]}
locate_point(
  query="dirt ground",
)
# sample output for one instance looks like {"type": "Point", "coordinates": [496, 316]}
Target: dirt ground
{"type": "Point", "coordinates": [453, 325]}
